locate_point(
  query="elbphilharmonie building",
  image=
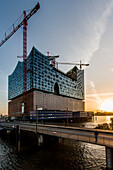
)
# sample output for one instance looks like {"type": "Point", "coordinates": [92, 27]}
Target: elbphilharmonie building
{"type": "Point", "coordinates": [47, 87]}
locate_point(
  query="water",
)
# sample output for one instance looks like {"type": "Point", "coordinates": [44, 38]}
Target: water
{"type": "Point", "coordinates": [67, 155]}
{"type": "Point", "coordinates": [98, 120]}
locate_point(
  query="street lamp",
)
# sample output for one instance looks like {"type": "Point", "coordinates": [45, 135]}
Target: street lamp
{"type": "Point", "coordinates": [37, 117]}
{"type": "Point", "coordinates": [67, 116]}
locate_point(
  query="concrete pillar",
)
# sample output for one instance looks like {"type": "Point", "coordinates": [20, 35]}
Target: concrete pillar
{"type": "Point", "coordinates": [8, 131]}
{"type": "Point", "coordinates": [109, 158]}
{"type": "Point", "coordinates": [40, 140]}
{"type": "Point", "coordinates": [60, 140]}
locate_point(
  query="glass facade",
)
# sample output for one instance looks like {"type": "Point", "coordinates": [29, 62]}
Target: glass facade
{"type": "Point", "coordinates": [42, 76]}
{"type": "Point", "coordinates": [50, 114]}
{"type": "Point", "coordinates": [15, 81]}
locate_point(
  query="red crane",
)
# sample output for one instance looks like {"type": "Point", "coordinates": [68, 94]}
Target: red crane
{"type": "Point", "coordinates": [24, 24]}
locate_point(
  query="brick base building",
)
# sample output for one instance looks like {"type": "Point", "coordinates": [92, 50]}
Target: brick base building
{"type": "Point", "coordinates": [47, 87]}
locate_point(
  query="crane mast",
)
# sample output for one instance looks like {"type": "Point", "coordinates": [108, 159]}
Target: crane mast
{"type": "Point", "coordinates": [24, 24]}
{"type": "Point", "coordinates": [24, 53]}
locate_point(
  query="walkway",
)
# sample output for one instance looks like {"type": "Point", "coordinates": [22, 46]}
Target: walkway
{"type": "Point", "coordinates": [104, 137]}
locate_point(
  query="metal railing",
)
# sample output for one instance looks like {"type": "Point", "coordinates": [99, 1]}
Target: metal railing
{"type": "Point", "coordinates": [104, 137]}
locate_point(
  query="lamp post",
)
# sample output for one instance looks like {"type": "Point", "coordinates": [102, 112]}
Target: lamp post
{"type": "Point", "coordinates": [67, 116]}
{"type": "Point", "coordinates": [36, 118]}
{"type": "Point", "coordinates": [37, 113]}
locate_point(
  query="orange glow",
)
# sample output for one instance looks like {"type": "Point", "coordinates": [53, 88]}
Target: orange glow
{"type": "Point", "coordinates": [107, 105]}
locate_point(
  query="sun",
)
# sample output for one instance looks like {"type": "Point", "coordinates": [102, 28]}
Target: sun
{"type": "Point", "coordinates": [107, 105]}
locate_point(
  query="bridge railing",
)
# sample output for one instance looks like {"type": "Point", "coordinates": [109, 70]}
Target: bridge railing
{"type": "Point", "coordinates": [104, 138]}
{"type": "Point", "coordinates": [85, 136]}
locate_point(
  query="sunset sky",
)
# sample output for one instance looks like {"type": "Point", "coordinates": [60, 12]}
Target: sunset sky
{"type": "Point", "coordinates": [73, 29]}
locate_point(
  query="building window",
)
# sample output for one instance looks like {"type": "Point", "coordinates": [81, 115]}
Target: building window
{"type": "Point", "coordinates": [22, 107]}
{"type": "Point", "coordinates": [57, 75]}
{"type": "Point", "coordinates": [56, 89]}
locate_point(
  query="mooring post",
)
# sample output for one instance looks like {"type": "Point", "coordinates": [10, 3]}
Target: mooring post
{"type": "Point", "coordinates": [109, 157]}
{"type": "Point", "coordinates": [18, 138]}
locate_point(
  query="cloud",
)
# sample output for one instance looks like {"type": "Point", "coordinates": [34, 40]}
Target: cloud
{"type": "Point", "coordinates": [99, 94]}
{"type": "Point", "coordinates": [97, 97]}
{"type": "Point", "coordinates": [99, 27]}
{"type": "Point", "coordinates": [94, 94]}
{"type": "Point", "coordinates": [91, 100]}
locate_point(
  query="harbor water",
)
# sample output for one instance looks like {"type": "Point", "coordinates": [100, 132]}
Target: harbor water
{"type": "Point", "coordinates": [65, 155]}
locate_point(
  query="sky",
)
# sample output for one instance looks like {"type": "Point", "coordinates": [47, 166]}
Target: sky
{"type": "Point", "coordinates": [73, 29]}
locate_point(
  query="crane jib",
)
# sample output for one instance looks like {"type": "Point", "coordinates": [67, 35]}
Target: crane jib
{"type": "Point", "coordinates": [32, 12]}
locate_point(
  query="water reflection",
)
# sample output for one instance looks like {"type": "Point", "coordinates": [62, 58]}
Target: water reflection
{"type": "Point", "coordinates": [69, 154]}
{"type": "Point", "coordinates": [98, 120]}
{"type": "Point", "coordinates": [102, 119]}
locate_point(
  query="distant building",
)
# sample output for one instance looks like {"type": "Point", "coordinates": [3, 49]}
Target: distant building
{"type": "Point", "coordinates": [47, 87]}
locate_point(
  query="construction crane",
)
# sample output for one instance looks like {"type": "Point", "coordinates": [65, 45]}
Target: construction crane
{"type": "Point", "coordinates": [73, 64]}
{"type": "Point", "coordinates": [14, 29]}
{"type": "Point", "coordinates": [52, 59]}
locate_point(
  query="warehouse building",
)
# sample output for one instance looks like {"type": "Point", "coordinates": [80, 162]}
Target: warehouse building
{"type": "Point", "coordinates": [48, 88]}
